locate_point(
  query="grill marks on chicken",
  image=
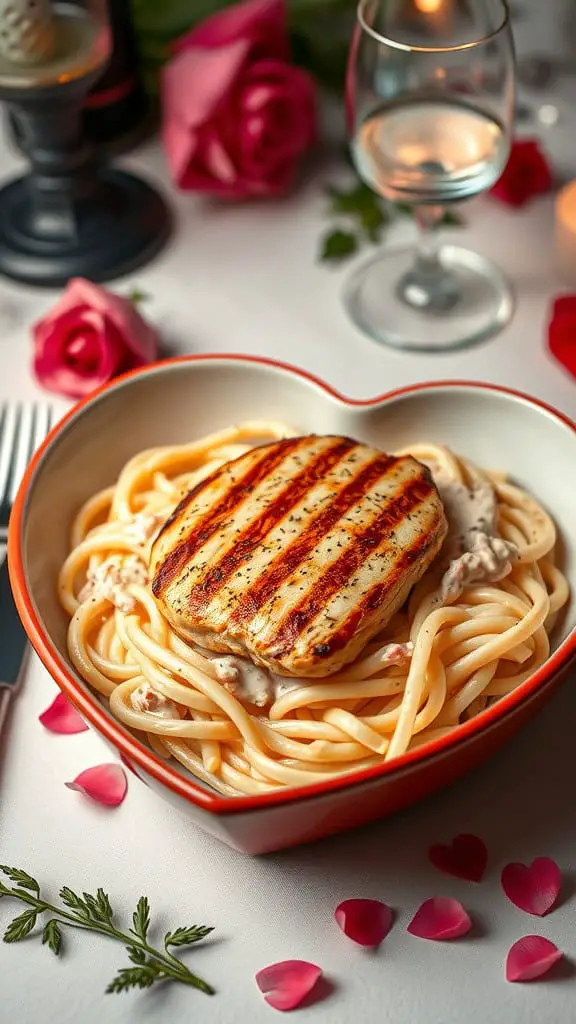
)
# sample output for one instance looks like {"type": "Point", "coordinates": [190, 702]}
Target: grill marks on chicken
{"type": "Point", "coordinates": [297, 553]}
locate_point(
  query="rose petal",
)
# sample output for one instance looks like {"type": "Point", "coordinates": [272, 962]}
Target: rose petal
{"type": "Point", "coordinates": [526, 174]}
{"type": "Point", "coordinates": [366, 922]}
{"type": "Point", "coordinates": [531, 957]}
{"type": "Point", "coordinates": [562, 332]}
{"type": "Point", "coordinates": [534, 889]}
{"type": "Point", "coordinates": [62, 717]}
{"type": "Point", "coordinates": [196, 81]}
{"type": "Point", "coordinates": [261, 22]}
{"type": "Point", "coordinates": [105, 783]}
{"type": "Point", "coordinates": [465, 857]}
{"type": "Point", "coordinates": [440, 918]}
{"type": "Point", "coordinates": [287, 983]}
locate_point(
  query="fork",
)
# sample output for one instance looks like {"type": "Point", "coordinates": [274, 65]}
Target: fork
{"type": "Point", "coordinates": [22, 429]}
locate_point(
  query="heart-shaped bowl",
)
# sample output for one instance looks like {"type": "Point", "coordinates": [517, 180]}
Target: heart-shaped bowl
{"type": "Point", "coordinates": [179, 400]}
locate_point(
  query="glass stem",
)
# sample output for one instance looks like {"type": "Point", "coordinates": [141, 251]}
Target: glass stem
{"type": "Point", "coordinates": [428, 285]}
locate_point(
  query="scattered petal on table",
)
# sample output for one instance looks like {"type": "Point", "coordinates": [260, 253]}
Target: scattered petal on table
{"type": "Point", "coordinates": [534, 888]}
{"type": "Point", "coordinates": [465, 857]}
{"type": "Point", "coordinates": [366, 922]}
{"type": "Point", "coordinates": [105, 783]}
{"type": "Point", "coordinates": [440, 918]}
{"type": "Point", "coordinates": [531, 957]}
{"type": "Point", "coordinates": [285, 984]}
{"type": "Point", "coordinates": [62, 717]}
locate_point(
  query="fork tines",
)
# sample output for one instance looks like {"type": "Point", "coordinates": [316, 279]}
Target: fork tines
{"type": "Point", "coordinates": [22, 429]}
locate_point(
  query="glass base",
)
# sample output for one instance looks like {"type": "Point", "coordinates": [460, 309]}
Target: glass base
{"type": "Point", "coordinates": [377, 299]}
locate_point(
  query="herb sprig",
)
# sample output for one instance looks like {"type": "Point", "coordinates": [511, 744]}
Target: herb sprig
{"type": "Point", "coordinates": [361, 217]}
{"type": "Point", "coordinates": [95, 914]}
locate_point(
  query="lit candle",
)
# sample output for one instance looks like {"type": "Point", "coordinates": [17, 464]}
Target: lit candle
{"type": "Point", "coordinates": [565, 231]}
{"type": "Point", "coordinates": [428, 6]}
{"type": "Point", "coordinates": [434, 15]}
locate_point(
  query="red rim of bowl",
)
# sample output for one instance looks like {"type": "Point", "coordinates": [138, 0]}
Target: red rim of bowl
{"type": "Point", "coordinates": [128, 746]}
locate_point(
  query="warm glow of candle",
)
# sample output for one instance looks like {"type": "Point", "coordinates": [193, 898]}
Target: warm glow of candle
{"type": "Point", "coordinates": [566, 233]}
{"type": "Point", "coordinates": [428, 6]}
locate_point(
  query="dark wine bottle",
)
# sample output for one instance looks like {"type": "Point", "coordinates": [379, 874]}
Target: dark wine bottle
{"type": "Point", "coordinates": [117, 105]}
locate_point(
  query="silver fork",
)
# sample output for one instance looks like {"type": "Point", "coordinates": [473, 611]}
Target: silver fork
{"type": "Point", "coordinates": [22, 429]}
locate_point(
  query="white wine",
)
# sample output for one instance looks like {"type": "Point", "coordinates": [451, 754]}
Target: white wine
{"type": "Point", "coordinates": [81, 45]}
{"type": "Point", "coordinates": [430, 150]}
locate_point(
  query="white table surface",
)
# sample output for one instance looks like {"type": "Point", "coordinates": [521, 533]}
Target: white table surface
{"type": "Point", "coordinates": [245, 280]}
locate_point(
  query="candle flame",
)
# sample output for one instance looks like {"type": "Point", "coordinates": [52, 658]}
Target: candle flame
{"type": "Point", "coordinates": [428, 6]}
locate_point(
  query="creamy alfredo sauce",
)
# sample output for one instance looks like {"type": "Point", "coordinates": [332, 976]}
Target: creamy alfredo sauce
{"type": "Point", "coordinates": [472, 551]}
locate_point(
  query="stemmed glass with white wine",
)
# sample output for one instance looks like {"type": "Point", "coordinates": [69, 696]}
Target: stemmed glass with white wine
{"type": "Point", "coordinates": [430, 106]}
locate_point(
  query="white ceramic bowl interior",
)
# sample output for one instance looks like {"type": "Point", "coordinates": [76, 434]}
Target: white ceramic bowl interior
{"type": "Point", "coordinates": [176, 402]}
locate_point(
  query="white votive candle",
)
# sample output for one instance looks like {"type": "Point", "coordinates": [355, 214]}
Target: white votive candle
{"type": "Point", "coordinates": [565, 232]}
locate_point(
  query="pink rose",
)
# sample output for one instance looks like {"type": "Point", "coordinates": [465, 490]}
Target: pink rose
{"type": "Point", "coordinates": [237, 116]}
{"type": "Point", "coordinates": [87, 338]}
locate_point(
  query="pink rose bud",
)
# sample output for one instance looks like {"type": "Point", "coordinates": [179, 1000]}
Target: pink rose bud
{"type": "Point", "coordinates": [87, 338]}
{"type": "Point", "coordinates": [237, 115]}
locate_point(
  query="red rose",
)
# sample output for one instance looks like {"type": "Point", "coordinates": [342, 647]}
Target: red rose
{"type": "Point", "coordinates": [237, 116]}
{"type": "Point", "coordinates": [526, 174]}
{"type": "Point", "coordinates": [562, 332]}
{"type": "Point", "coordinates": [87, 338]}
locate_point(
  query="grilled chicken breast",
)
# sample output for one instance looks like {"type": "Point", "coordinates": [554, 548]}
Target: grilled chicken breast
{"type": "Point", "coordinates": [297, 553]}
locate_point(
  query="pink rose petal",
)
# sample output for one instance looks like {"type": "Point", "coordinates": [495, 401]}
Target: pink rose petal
{"type": "Point", "coordinates": [440, 918]}
{"type": "Point", "coordinates": [465, 857]}
{"type": "Point", "coordinates": [105, 783]}
{"type": "Point", "coordinates": [287, 983]}
{"type": "Point", "coordinates": [534, 889]}
{"type": "Point", "coordinates": [261, 22]}
{"type": "Point", "coordinates": [530, 958]}
{"type": "Point", "coordinates": [62, 717]}
{"type": "Point", "coordinates": [366, 922]}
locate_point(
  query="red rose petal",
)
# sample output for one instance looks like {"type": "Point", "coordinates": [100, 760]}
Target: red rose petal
{"type": "Point", "coordinates": [366, 922]}
{"type": "Point", "coordinates": [440, 918]}
{"type": "Point", "coordinates": [465, 857]}
{"type": "Point", "coordinates": [62, 717]}
{"type": "Point", "coordinates": [287, 983]}
{"type": "Point", "coordinates": [534, 889]}
{"type": "Point", "coordinates": [530, 958]}
{"type": "Point", "coordinates": [105, 783]}
{"type": "Point", "coordinates": [561, 332]}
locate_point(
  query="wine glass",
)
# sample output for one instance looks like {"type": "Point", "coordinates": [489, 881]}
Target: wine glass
{"type": "Point", "coordinates": [430, 105]}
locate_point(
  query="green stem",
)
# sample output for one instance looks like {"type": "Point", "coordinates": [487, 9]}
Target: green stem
{"type": "Point", "coordinates": [169, 964]}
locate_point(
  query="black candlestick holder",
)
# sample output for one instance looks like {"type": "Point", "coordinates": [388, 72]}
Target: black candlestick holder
{"type": "Point", "coordinates": [71, 215]}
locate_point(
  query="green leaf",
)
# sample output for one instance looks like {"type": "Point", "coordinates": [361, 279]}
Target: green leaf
{"type": "Point", "coordinates": [52, 936]}
{"type": "Point", "coordinates": [450, 219]}
{"type": "Point", "coordinates": [92, 905]}
{"type": "Point", "coordinates": [373, 220]}
{"type": "Point", "coordinates": [4, 890]}
{"type": "Point", "coordinates": [134, 977]}
{"type": "Point", "coordinates": [404, 209]}
{"type": "Point", "coordinates": [137, 955]}
{"type": "Point", "coordinates": [141, 919]}
{"type": "Point", "coordinates": [337, 246]}
{"type": "Point", "coordinates": [21, 926]}
{"type": "Point", "coordinates": [21, 878]}
{"type": "Point", "coordinates": [186, 936]}
{"type": "Point", "coordinates": [136, 296]}
{"type": "Point", "coordinates": [103, 903]}
{"type": "Point", "coordinates": [72, 900]}
{"type": "Point", "coordinates": [353, 200]}
{"type": "Point", "coordinates": [98, 906]}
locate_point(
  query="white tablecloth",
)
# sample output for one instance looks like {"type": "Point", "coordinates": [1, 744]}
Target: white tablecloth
{"type": "Point", "coordinates": [245, 280]}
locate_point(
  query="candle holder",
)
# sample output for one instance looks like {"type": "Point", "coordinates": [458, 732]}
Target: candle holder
{"type": "Point", "coordinates": [70, 215]}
